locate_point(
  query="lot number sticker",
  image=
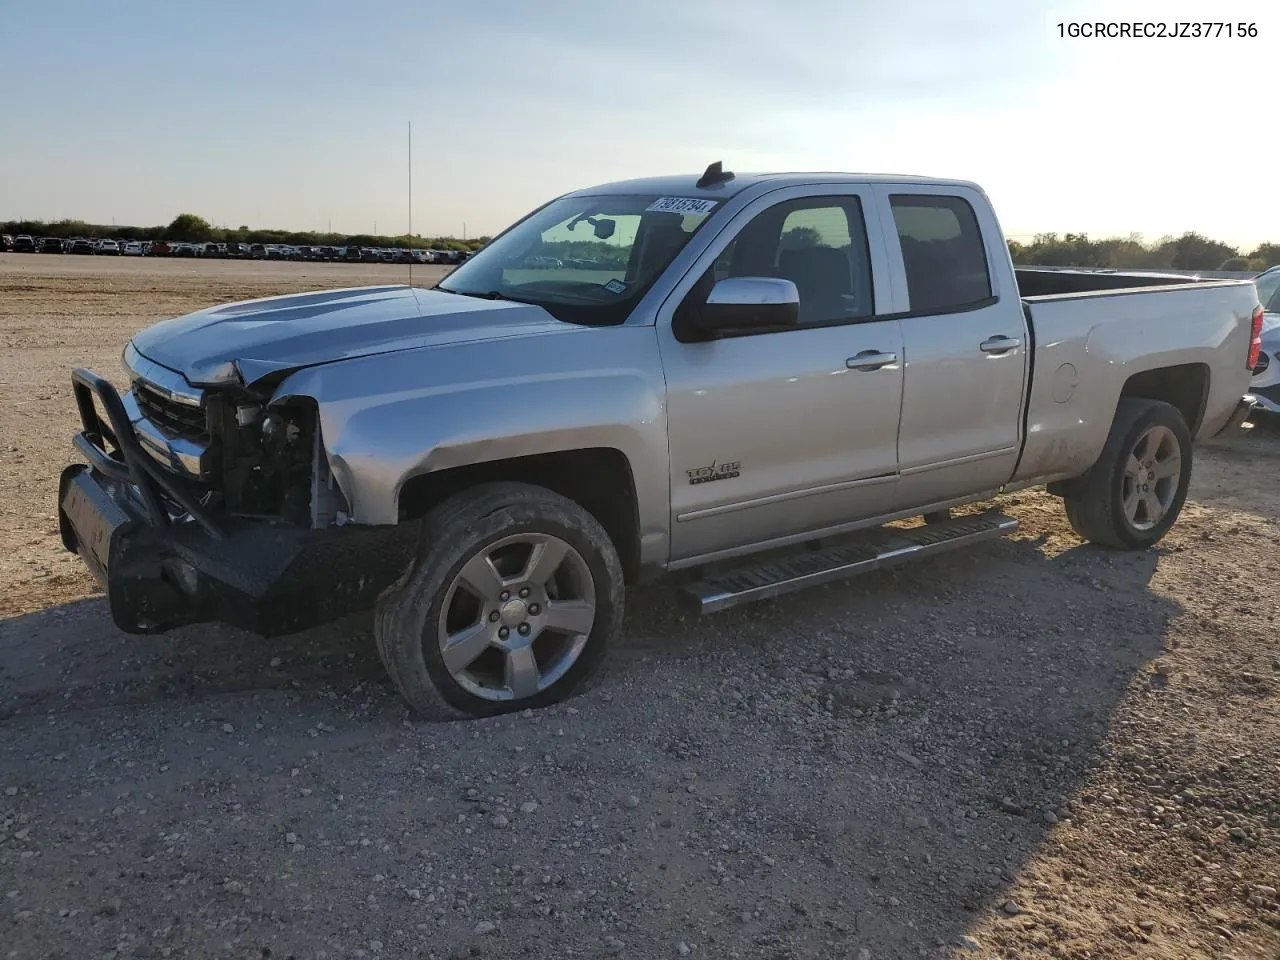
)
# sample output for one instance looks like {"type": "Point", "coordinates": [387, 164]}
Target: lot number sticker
{"type": "Point", "coordinates": [685, 205]}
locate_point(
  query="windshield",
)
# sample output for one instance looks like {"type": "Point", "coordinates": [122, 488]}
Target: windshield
{"type": "Point", "coordinates": [1268, 285]}
{"type": "Point", "coordinates": [585, 259]}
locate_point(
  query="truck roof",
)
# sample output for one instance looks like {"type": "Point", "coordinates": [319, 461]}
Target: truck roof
{"type": "Point", "coordinates": [687, 186]}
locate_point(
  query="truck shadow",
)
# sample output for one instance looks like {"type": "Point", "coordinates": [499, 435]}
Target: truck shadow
{"type": "Point", "coordinates": [908, 738]}
{"type": "Point", "coordinates": [956, 709]}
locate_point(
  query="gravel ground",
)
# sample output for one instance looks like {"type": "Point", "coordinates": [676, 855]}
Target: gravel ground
{"type": "Point", "coordinates": [1037, 748]}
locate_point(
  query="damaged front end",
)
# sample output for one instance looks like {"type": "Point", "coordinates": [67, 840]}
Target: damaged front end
{"type": "Point", "coordinates": [269, 461]}
{"type": "Point", "coordinates": [216, 505]}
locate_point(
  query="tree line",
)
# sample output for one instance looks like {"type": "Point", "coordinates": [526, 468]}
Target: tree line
{"type": "Point", "coordinates": [189, 228]}
{"type": "Point", "coordinates": [1191, 251]}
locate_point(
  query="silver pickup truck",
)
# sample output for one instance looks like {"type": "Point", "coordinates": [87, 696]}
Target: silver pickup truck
{"type": "Point", "coordinates": [746, 381]}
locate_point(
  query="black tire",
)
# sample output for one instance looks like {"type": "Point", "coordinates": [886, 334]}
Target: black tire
{"type": "Point", "coordinates": [409, 614]}
{"type": "Point", "coordinates": [1095, 500]}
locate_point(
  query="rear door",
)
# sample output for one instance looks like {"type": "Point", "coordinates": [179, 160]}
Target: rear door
{"type": "Point", "coordinates": [965, 341]}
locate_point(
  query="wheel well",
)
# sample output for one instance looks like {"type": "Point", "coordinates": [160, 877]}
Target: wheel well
{"type": "Point", "coordinates": [1185, 386]}
{"type": "Point", "coordinates": [597, 479]}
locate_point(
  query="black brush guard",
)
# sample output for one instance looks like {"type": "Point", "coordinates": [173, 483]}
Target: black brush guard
{"type": "Point", "coordinates": [130, 464]}
{"type": "Point", "coordinates": [165, 561]}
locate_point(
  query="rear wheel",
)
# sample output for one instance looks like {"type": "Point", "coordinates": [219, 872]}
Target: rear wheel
{"type": "Point", "coordinates": [1134, 492]}
{"type": "Point", "coordinates": [514, 603]}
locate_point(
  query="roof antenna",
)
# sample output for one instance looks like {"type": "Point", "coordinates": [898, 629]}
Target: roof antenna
{"type": "Point", "coordinates": [411, 251]}
{"type": "Point", "coordinates": [714, 175]}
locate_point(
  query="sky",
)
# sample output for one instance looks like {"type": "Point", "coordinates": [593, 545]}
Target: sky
{"type": "Point", "coordinates": [294, 114]}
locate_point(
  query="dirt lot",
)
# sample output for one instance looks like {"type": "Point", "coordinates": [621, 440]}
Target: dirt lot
{"type": "Point", "coordinates": [1035, 749]}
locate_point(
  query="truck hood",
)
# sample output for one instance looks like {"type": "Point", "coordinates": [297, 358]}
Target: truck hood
{"type": "Point", "coordinates": [258, 337]}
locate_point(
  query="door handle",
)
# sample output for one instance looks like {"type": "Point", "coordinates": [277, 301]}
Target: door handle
{"type": "Point", "coordinates": [999, 344]}
{"type": "Point", "coordinates": [870, 360]}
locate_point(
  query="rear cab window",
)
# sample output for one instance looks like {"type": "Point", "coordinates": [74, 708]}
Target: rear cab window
{"type": "Point", "coordinates": [942, 253]}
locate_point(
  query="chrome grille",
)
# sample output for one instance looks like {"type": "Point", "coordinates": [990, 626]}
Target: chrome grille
{"type": "Point", "coordinates": [174, 418]}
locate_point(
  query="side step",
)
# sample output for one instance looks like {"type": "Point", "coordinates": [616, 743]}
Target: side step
{"type": "Point", "coordinates": [794, 568]}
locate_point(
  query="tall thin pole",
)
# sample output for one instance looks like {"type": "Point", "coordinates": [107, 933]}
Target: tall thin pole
{"type": "Point", "coordinates": [411, 254]}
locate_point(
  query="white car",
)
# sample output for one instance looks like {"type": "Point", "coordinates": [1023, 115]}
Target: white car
{"type": "Point", "coordinates": [1264, 388]}
{"type": "Point", "coordinates": [133, 249]}
{"type": "Point", "coordinates": [109, 248]}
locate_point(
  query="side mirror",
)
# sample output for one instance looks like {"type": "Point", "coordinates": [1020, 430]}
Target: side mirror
{"type": "Point", "coordinates": [740, 305]}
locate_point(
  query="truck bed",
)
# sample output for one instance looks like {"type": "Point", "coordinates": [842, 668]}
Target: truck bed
{"type": "Point", "coordinates": [1100, 336]}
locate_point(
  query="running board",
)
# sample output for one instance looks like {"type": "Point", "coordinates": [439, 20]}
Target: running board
{"type": "Point", "coordinates": [795, 568]}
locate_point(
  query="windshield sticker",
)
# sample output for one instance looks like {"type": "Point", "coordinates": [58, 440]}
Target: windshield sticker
{"type": "Point", "coordinates": [685, 205]}
{"type": "Point", "coordinates": [616, 286]}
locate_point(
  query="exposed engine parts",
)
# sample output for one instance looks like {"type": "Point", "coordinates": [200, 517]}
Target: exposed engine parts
{"type": "Point", "coordinates": [265, 457]}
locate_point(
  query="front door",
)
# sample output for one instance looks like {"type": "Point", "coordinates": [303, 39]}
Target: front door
{"type": "Point", "coordinates": [781, 433]}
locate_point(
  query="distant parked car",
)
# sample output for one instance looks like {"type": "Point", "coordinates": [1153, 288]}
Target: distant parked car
{"type": "Point", "coordinates": [108, 248]}
{"type": "Point", "coordinates": [6, 242]}
{"type": "Point", "coordinates": [258, 251]}
{"type": "Point", "coordinates": [543, 263]}
{"type": "Point", "coordinates": [81, 247]}
{"type": "Point", "coordinates": [51, 245]}
{"type": "Point", "coordinates": [24, 244]}
{"type": "Point", "coordinates": [133, 248]}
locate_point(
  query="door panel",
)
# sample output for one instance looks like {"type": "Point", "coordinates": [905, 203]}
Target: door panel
{"type": "Point", "coordinates": [774, 435]}
{"type": "Point", "coordinates": [961, 405]}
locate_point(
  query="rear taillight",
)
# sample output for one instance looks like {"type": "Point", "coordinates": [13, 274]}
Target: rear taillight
{"type": "Point", "coordinates": [1255, 338]}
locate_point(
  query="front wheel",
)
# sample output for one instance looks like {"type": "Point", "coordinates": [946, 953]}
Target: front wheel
{"type": "Point", "coordinates": [1133, 494]}
{"type": "Point", "coordinates": [514, 603]}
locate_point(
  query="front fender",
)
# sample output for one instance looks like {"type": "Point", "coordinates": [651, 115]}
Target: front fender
{"type": "Point", "coordinates": [388, 418]}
